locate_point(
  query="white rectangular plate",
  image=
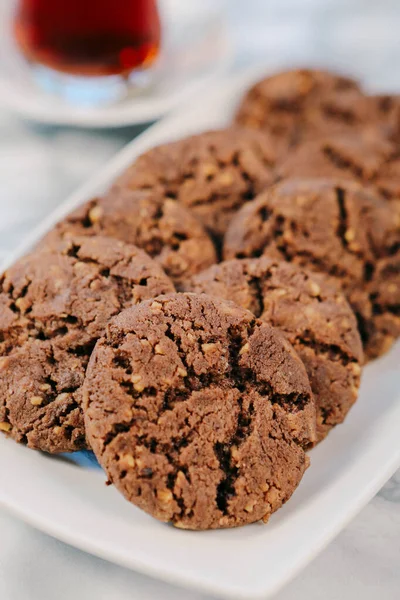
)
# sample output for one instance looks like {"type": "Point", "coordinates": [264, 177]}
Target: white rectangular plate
{"type": "Point", "coordinates": [66, 497]}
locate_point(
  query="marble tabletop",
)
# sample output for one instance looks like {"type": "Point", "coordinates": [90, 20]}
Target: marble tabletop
{"type": "Point", "coordinates": [40, 165]}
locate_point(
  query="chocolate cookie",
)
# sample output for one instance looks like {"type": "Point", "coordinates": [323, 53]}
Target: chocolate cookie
{"type": "Point", "coordinates": [197, 411]}
{"type": "Point", "coordinates": [311, 312]}
{"type": "Point", "coordinates": [369, 158]}
{"type": "Point", "coordinates": [54, 307]}
{"type": "Point", "coordinates": [337, 228]}
{"type": "Point", "coordinates": [293, 106]}
{"type": "Point", "coordinates": [212, 174]}
{"type": "Point", "coordinates": [162, 227]}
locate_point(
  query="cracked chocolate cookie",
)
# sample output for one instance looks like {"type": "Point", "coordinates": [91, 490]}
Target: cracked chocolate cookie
{"type": "Point", "coordinates": [212, 173]}
{"type": "Point", "coordinates": [312, 313]}
{"type": "Point", "coordinates": [165, 229]}
{"type": "Point", "coordinates": [340, 229]}
{"type": "Point", "coordinates": [198, 411]}
{"type": "Point", "coordinates": [369, 158]}
{"type": "Point", "coordinates": [296, 105]}
{"type": "Point", "coordinates": [54, 307]}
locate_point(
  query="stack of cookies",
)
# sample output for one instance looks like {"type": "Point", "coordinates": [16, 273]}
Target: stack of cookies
{"type": "Point", "coordinates": [204, 324]}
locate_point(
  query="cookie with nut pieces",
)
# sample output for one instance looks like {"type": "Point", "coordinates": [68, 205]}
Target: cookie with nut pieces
{"type": "Point", "coordinates": [161, 226]}
{"type": "Point", "coordinates": [303, 104]}
{"type": "Point", "coordinates": [312, 313]}
{"type": "Point", "coordinates": [198, 412]}
{"type": "Point", "coordinates": [212, 173]}
{"type": "Point", "coordinates": [55, 304]}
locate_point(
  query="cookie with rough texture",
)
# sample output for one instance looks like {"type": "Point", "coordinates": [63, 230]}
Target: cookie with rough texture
{"type": "Point", "coordinates": [213, 173]}
{"type": "Point", "coordinates": [165, 229]}
{"type": "Point", "coordinates": [340, 229]}
{"type": "Point", "coordinates": [198, 411]}
{"type": "Point", "coordinates": [311, 312]}
{"type": "Point", "coordinates": [54, 307]}
{"type": "Point", "coordinates": [293, 106]}
{"type": "Point", "coordinates": [369, 158]}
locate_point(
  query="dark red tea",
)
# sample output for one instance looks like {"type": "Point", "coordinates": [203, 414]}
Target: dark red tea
{"type": "Point", "coordinates": [89, 37]}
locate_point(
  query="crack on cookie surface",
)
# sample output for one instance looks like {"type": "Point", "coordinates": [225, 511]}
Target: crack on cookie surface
{"type": "Point", "coordinates": [339, 160]}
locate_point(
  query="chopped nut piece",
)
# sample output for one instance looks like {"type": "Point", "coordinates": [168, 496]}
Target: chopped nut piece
{"type": "Point", "coordinates": [386, 344]}
{"type": "Point", "coordinates": [79, 266]}
{"type": "Point", "coordinates": [57, 430]}
{"type": "Point", "coordinates": [315, 290]}
{"type": "Point", "coordinates": [169, 203]}
{"type": "Point", "coordinates": [355, 246]}
{"type": "Point", "coordinates": [137, 382]}
{"type": "Point", "coordinates": [264, 487]}
{"type": "Point", "coordinates": [272, 495]}
{"type": "Point", "coordinates": [127, 460]}
{"type": "Point", "coordinates": [180, 525]}
{"type": "Point", "coordinates": [180, 478]}
{"type": "Point", "coordinates": [22, 304]}
{"type": "Point", "coordinates": [36, 400]}
{"type": "Point", "coordinates": [225, 179]}
{"type": "Point", "coordinates": [208, 347]}
{"type": "Point", "coordinates": [209, 169]}
{"type": "Point", "coordinates": [4, 362]}
{"type": "Point", "coordinates": [182, 372]}
{"type": "Point", "coordinates": [95, 214]}
{"type": "Point", "coordinates": [188, 183]}
{"type": "Point", "coordinates": [356, 369]}
{"type": "Point", "coordinates": [63, 397]}
{"type": "Point", "coordinates": [244, 349]}
{"type": "Point", "coordinates": [158, 349]}
{"type": "Point", "coordinates": [156, 305]}
{"type": "Point", "coordinates": [349, 235]}
{"type": "Point", "coordinates": [96, 284]}
{"type": "Point", "coordinates": [165, 496]}
{"type": "Point", "coordinates": [279, 292]}
{"type": "Point", "coordinates": [250, 506]}
{"type": "Point", "coordinates": [4, 426]}
{"type": "Point", "coordinates": [45, 387]}
{"type": "Point", "coordinates": [234, 452]}
{"type": "Point", "coordinates": [266, 517]}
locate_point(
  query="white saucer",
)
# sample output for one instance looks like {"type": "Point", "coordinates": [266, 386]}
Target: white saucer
{"type": "Point", "coordinates": [196, 53]}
